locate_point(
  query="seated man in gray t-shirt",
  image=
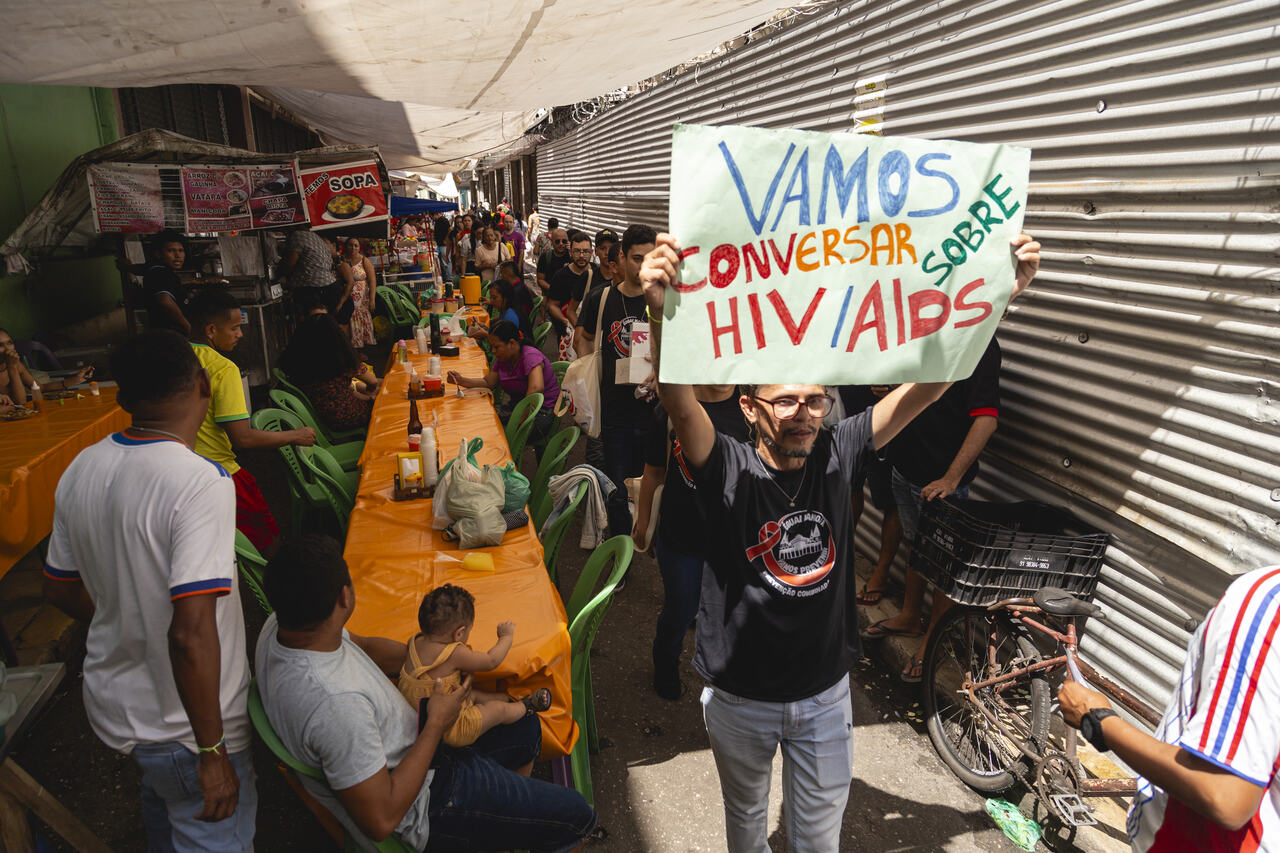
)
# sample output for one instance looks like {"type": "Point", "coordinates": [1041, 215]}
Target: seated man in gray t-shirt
{"type": "Point", "coordinates": [329, 699]}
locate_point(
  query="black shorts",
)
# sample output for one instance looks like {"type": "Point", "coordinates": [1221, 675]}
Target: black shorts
{"type": "Point", "coordinates": [880, 474]}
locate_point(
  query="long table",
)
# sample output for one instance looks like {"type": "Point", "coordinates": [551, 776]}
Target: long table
{"type": "Point", "coordinates": [396, 557]}
{"type": "Point", "coordinates": [33, 454]}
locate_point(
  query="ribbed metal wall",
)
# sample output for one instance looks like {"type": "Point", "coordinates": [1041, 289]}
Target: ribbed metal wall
{"type": "Point", "coordinates": [1141, 374]}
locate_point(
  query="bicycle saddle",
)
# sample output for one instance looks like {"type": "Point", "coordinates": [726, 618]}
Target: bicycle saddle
{"type": "Point", "coordinates": [1059, 602]}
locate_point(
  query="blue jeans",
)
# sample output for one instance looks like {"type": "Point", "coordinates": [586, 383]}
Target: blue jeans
{"type": "Point", "coordinates": [444, 261]}
{"type": "Point", "coordinates": [478, 803]}
{"type": "Point", "coordinates": [171, 799]}
{"type": "Point", "coordinates": [681, 591]}
{"type": "Point", "coordinates": [623, 458]}
{"type": "Point", "coordinates": [816, 735]}
{"type": "Point", "coordinates": [907, 496]}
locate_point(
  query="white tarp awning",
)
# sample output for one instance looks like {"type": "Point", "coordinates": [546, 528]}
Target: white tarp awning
{"type": "Point", "coordinates": [429, 82]}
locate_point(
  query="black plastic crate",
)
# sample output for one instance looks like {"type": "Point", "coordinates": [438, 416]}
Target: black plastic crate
{"type": "Point", "coordinates": [979, 553]}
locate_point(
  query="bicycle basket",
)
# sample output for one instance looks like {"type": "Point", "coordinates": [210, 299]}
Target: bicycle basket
{"type": "Point", "coordinates": [979, 553]}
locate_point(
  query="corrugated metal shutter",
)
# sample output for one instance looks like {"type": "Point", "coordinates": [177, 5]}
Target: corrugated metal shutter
{"type": "Point", "coordinates": [1142, 373]}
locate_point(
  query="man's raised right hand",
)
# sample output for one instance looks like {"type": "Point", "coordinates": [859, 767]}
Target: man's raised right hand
{"type": "Point", "coordinates": [660, 270]}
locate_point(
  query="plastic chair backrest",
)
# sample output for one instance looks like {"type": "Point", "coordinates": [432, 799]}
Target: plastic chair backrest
{"type": "Point", "coordinates": [251, 564]}
{"type": "Point", "coordinates": [537, 305]}
{"type": "Point", "coordinates": [391, 301]}
{"type": "Point", "coordinates": [258, 716]}
{"type": "Point", "coordinates": [540, 333]}
{"type": "Point", "coordinates": [403, 289]}
{"type": "Point", "coordinates": [559, 368]}
{"type": "Point", "coordinates": [275, 420]}
{"type": "Point", "coordinates": [283, 381]}
{"type": "Point", "coordinates": [520, 424]}
{"type": "Point", "coordinates": [551, 464]}
{"type": "Point", "coordinates": [328, 474]}
{"type": "Point", "coordinates": [552, 539]}
{"type": "Point", "coordinates": [587, 606]}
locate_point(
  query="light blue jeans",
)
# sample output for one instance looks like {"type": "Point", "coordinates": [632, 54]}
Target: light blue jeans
{"type": "Point", "coordinates": [171, 799]}
{"type": "Point", "coordinates": [816, 735]}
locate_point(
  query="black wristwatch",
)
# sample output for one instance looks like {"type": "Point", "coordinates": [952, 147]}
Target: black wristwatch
{"type": "Point", "coordinates": [1091, 727]}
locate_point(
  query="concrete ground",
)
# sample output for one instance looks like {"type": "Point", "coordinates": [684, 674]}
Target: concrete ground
{"type": "Point", "coordinates": [655, 780]}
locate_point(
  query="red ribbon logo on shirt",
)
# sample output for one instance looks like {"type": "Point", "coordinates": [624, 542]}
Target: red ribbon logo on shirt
{"type": "Point", "coordinates": [798, 549]}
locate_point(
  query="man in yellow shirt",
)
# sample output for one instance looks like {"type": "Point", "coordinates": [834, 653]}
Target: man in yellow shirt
{"type": "Point", "coordinates": [215, 325]}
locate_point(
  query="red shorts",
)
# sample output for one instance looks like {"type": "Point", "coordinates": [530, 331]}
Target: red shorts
{"type": "Point", "coordinates": [253, 516]}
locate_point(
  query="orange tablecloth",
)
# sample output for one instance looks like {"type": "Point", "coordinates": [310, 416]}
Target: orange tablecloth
{"type": "Point", "coordinates": [33, 454]}
{"type": "Point", "coordinates": [396, 557]}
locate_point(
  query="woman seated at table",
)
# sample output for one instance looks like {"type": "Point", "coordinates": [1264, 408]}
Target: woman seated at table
{"type": "Point", "coordinates": [521, 369]}
{"type": "Point", "coordinates": [319, 360]}
{"type": "Point", "coordinates": [506, 304]}
{"type": "Point", "coordinates": [16, 381]}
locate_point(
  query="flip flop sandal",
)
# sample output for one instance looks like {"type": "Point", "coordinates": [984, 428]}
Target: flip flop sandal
{"type": "Point", "coordinates": [914, 673]}
{"type": "Point", "coordinates": [870, 597]}
{"type": "Point", "coordinates": [878, 631]}
{"type": "Point", "coordinates": [538, 700]}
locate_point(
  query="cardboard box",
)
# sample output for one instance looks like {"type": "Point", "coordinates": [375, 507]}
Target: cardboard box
{"type": "Point", "coordinates": [635, 369]}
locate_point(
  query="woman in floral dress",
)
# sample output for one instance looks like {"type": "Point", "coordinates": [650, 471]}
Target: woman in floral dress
{"type": "Point", "coordinates": [357, 272]}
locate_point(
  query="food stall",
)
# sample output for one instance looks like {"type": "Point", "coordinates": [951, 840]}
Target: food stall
{"type": "Point", "coordinates": [234, 206]}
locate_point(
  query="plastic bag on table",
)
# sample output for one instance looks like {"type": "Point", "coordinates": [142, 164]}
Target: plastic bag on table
{"type": "Point", "coordinates": [477, 508]}
{"type": "Point", "coordinates": [517, 486]}
{"type": "Point", "coordinates": [441, 517]}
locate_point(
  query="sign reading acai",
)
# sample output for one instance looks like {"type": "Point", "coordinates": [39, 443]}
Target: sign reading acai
{"type": "Point", "coordinates": [837, 258]}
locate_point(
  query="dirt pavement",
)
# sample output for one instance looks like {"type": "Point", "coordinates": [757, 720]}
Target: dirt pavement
{"type": "Point", "coordinates": [655, 780]}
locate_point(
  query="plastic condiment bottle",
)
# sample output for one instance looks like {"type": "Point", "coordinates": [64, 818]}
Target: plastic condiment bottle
{"type": "Point", "coordinates": [427, 447]}
{"type": "Point", "coordinates": [37, 396]}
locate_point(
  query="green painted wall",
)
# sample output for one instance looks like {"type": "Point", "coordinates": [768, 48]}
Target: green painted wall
{"type": "Point", "coordinates": [42, 129]}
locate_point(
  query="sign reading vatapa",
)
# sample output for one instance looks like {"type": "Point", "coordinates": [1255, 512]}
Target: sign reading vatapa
{"type": "Point", "coordinates": [837, 258]}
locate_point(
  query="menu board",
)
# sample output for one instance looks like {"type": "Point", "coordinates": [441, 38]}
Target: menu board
{"type": "Point", "coordinates": [217, 198]}
{"type": "Point", "coordinates": [274, 200]}
{"type": "Point", "coordinates": [126, 198]}
{"type": "Point", "coordinates": [343, 194]}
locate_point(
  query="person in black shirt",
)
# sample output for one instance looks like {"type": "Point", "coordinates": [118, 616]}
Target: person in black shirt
{"type": "Point", "coordinates": [878, 474]}
{"type": "Point", "coordinates": [440, 230]}
{"type": "Point", "coordinates": [682, 527]}
{"type": "Point", "coordinates": [569, 285]}
{"type": "Point", "coordinates": [625, 417]}
{"type": "Point", "coordinates": [163, 291]}
{"type": "Point", "coordinates": [550, 262]}
{"type": "Point", "coordinates": [773, 633]}
{"type": "Point", "coordinates": [936, 455]}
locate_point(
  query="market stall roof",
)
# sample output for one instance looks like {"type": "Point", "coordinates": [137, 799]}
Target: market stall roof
{"type": "Point", "coordinates": [431, 82]}
{"type": "Point", "coordinates": [405, 206]}
{"type": "Point", "coordinates": [64, 217]}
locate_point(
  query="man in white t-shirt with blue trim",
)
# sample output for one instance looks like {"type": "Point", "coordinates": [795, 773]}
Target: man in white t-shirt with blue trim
{"type": "Point", "coordinates": [1208, 776]}
{"type": "Point", "coordinates": [143, 550]}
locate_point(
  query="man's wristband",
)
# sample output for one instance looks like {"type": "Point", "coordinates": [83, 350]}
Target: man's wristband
{"type": "Point", "coordinates": [648, 310]}
{"type": "Point", "coordinates": [222, 741]}
{"type": "Point", "coordinates": [1091, 727]}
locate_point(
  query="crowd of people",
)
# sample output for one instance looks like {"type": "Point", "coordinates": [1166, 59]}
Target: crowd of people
{"type": "Point", "coordinates": [746, 472]}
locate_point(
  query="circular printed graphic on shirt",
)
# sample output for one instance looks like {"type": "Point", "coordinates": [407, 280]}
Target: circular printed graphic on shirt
{"type": "Point", "coordinates": [798, 550]}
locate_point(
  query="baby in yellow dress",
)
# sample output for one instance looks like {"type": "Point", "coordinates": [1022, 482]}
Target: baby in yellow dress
{"type": "Point", "coordinates": [445, 618]}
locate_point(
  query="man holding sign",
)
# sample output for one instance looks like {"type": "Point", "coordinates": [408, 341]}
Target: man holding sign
{"type": "Point", "coordinates": [775, 636]}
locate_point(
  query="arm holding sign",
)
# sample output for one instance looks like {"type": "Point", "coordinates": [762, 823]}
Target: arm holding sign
{"type": "Point", "coordinates": [692, 425]}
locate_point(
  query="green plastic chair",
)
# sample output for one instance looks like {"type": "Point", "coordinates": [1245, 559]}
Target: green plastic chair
{"type": "Point", "coordinates": [554, 536]}
{"type": "Point", "coordinates": [337, 486]}
{"type": "Point", "coordinates": [586, 609]}
{"type": "Point", "coordinates": [537, 305]}
{"type": "Point", "coordinates": [278, 420]}
{"type": "Point", "coordinates": [300, 408]}
{"type": "Point", "coordinates": [399, 310]}
{"type": "Point", "coordinates": [540, 333]}
{"type": "Point", "coordinates": [520, 424]}
{"type": "Point", "coordinates": [559, 367]}
{"type": "Point", "coordinates": [258, 716]}
{"type": "Point", "coordinates": [551, 464]}
{"type": "Point", "coordinates": [403, 289]}
{"type": "Point", "coordinates": [251, 563]}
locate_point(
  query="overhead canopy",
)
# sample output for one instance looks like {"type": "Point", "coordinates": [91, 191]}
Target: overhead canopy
{"type": "Point", "coordinates": [404, 206]}
{"type": "Point", "coordinates": [430, 82]}
{"type": "Point", "coordinates": [64, 216]}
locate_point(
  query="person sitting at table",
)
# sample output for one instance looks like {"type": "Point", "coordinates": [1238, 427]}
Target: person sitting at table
{"type": "Point", "coordinates": [16, 381]}
{"type": "Point", "coordinates": [521, 369]}
{"type": "Point", "coordinates": [507, 305]}
{"type": "Point", "coordinates": [446, 616]}
{"type": "Point", "coordinates": [322, 363]}
{"type": "Point", "coordinates": [329, 696]}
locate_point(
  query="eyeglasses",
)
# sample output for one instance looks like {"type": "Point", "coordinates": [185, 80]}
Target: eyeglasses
{"type": "Point", "coordinates": [579, 251]}
{"type": "Point", "coordinates": [786, 408]}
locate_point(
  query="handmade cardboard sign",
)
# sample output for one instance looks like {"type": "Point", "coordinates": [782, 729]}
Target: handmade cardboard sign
{"type": "Point", "coordinates": [837, 258]}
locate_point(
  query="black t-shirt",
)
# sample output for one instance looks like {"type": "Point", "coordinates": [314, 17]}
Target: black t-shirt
{"type": "Point", "coordinates": [549, 263]}
{"type": "Point", "coordinates": [924, 449]}
{"type": "Point", "coordinates": [682, 522]}
{"type": "Point", "coordinates": [621, 408]}
{"type": "Point", "coordinates": [777, 621]}
{"type": "Point", "coordinates": [159, 279]}
{"type": "Point", "coordinates": [569, 286]}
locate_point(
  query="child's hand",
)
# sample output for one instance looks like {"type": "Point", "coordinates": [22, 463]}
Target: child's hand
{"type": "Point", "coordinates": [506, 629]}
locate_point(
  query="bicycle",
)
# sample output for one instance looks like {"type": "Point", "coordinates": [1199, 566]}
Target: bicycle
{"type": "Point", "coordinates": [987, 702]}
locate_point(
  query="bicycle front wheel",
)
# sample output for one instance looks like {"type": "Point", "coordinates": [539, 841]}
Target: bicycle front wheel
{"type": "Point", "coordinates": [969, 647]}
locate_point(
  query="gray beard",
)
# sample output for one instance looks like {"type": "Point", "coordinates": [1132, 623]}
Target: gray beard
{"type": "Point", "coordinates": [797, 453]}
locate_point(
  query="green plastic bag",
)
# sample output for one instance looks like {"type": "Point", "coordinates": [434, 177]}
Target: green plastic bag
{"type": "Point", "coordinates": [517, 488]}
{"type": "Point", "coordinates": [473, 447]}
{"type": "Point", "coordinates": [1017, 827]}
